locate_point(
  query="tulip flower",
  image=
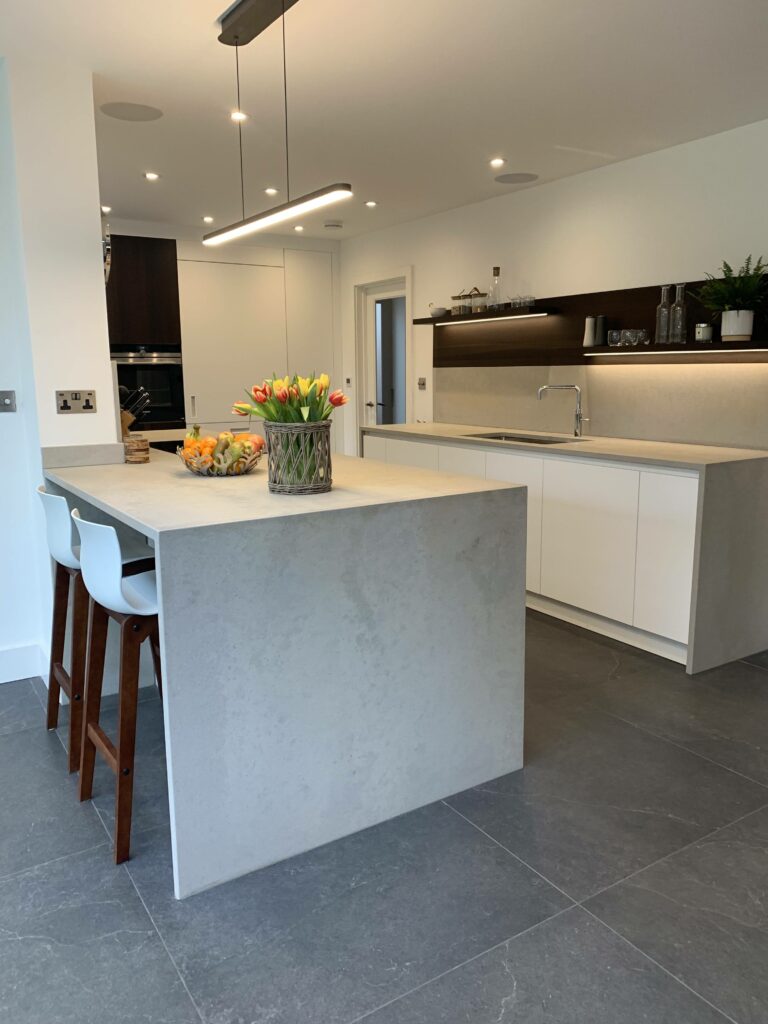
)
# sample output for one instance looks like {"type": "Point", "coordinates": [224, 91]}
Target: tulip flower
{"type": "Point", "coordinates": [293, 392]}
{"type": "Point", "coordinates": [281, 394]}
{"type": "Point", "coordinates": [323, 383]}
{"type": "Point", "coordinates": [241, 409]}
{"type": "Point", "coordinates": [337, 398]}
{"type": "Point", "coordinates": [259, 396]}
{"type": "Point", "coordinates": [303, 386]}
{"type": "Point", "coordinates": [266, 387]}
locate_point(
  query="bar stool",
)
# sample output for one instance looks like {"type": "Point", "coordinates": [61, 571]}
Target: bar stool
{"type": "Point", "coordinates": [132, 603]}
{"type": "Point", "coordinates": [66, 558]}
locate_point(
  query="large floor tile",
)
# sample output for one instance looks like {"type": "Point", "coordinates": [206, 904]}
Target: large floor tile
{"type": "Point", "coordinates": [703, 914]}
{"type": "Point", "coordinates": [570, 970]}
{"type": "Point", "coordinates": [77, 947]}
{"type": "Point", "coordinates": [150, 780]}
{"type": "Point", "coordinates": [720, 714]}
{"type": "Point", "coordinates": [40, 817]}
{"type": "Point", "coordinates": [332, 934]}
{"type": "Point", "coordinates": [599, 799]}
{"type": "Point", "coordinates": [566, 664]}
{"type": "Point", "coordinates": [19, 707]}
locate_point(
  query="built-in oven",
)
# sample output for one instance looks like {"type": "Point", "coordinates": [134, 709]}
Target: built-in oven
{"type": "Point", "coordinates": [160, 374]}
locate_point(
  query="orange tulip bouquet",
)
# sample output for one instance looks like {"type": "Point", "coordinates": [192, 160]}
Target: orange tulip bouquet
{"type": "Point", "coordinates": [297, 413]}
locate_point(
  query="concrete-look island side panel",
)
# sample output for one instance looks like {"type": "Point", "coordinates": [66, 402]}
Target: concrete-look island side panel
{"type": "Point", "coordinates": [328, 670]}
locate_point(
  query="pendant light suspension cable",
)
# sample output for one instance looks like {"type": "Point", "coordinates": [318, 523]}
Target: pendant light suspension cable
{"type": "Point", "coordinates": [240, 129]}
{"type": "Point", "coordinates": [285, 107]}
{"type": "Point", "coordinates": [291, 209]}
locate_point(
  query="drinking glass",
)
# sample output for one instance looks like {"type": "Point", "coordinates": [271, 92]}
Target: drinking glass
{"type": "Point", "coordinates": [614, 338]}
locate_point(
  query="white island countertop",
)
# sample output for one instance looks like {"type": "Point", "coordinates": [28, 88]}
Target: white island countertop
{"type": "Point", "coordinates": [162, 495]}
{"type": "Point", "coordinates": [620, 449]}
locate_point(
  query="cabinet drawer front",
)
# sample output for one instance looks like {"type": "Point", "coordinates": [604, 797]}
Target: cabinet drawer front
{"type": "Point", "coordinates": [412, 453]}
{"type": "Point", "coordinates": [589, 532]}
{"type": "Point", "coordinates": [460, 460]}
{"type": "Point", "coordinates": [527, 470]}
{"type": "Point", "coordinates": [666, 536]}
{"type": "Point", "coordinates": [374, 447]}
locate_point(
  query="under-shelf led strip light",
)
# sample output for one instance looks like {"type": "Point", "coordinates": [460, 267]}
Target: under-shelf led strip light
{"type": "Point", "coordinates": [674, 352]}
{"type": "Point", "coordinates": [490, 319]}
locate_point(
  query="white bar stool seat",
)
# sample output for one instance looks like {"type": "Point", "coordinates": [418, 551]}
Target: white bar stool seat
{"type": "Point", "coordinates": [65, 553]}
{"type": "Point", "coordinates": [132, 603]}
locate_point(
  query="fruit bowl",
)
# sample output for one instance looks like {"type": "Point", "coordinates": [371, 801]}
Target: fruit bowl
{"type": "Point", "coordinates": [224, 455]}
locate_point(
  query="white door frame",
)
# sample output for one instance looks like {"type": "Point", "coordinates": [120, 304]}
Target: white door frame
{"type": "Point", "coordinates": [366, 295]}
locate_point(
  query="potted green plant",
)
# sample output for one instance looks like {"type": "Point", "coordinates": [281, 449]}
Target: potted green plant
{"type": "Point", "coordinates": [735, 296]}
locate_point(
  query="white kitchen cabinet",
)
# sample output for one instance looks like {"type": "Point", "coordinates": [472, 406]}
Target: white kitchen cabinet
{"type": "Point", "coordinates": [232, 334]}
{"type": "Point", "coordinates": [374, 447]}
{"type": "Point", "coordinates": [589, 533]}
{"type": "Point", "coordinates": [309, 312]}
{"type": "Point", "coordinates": [666, 536]}
{"type": "Point", "coordinates": [529, 471]}
{"type": "Point", "coordinates": [412, 453]}
{"type": "Point", "coordinates": [460, 460]}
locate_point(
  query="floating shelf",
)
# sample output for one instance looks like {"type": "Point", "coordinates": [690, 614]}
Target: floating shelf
{"type": "Point", "coordinates": [716, 352]}
{"type": "Point", "coordinates": [521, 313]}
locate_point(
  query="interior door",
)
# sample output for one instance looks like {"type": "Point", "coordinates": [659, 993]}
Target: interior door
{"type": "Point", "coordinates": [233, 333]}
{"type": "Point", "coordinates": [384, 371]}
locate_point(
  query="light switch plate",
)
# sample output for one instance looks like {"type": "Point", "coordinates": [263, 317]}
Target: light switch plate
{"type": "Point", "coordinates": [75, 401]}
{"type": "Point", "coordinates": [422, 383]}
{"type": "Point", "coordinates": [7, 401]}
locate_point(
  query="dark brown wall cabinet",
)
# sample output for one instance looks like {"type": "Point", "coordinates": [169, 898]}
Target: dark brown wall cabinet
{"type": "Point", "coordinates": [143, 294]}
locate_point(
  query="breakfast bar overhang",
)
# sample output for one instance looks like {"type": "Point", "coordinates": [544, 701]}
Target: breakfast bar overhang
{"type": "Point", "coordinates": [329, 661]}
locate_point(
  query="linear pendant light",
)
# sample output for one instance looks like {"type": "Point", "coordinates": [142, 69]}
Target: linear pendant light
{"type": "Point", "coordinates": [278, 214]}
{"type": "Point", "coordinates": [286, 211]}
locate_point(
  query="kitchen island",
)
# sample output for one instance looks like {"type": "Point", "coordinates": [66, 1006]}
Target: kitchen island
{"type": "Point", "coordinates": [329, 661]}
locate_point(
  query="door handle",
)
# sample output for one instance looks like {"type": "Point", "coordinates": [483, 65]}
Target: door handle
{"type": "Point", "coordinates": [372, 405]}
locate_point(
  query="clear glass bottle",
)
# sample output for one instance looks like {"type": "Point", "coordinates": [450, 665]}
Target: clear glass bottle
{"type": "Point", "coordinates": [662, 318]}
{"type": "Point", "coordinates": [495, 301]}
{"type": "Point", "coordinates": [677, 317]}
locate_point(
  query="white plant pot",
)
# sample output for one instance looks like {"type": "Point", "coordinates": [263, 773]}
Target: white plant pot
{"type": "Point", "coordinates": [737, 325]}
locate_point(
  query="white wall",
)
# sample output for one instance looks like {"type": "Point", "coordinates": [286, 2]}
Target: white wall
{"type": "Point", "coordinates": [53, 330]}
{"type": "Point", "coordinates": [671, 215]}
{"type": "Point", "coordinates": [22, 565]}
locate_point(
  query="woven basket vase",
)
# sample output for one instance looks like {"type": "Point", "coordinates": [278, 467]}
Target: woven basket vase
{"type": "Point", "coordinates": [299, 457]}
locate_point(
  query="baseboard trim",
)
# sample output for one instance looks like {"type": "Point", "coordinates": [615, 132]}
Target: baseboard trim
{"type": "Point", "coordinates": [665, 648]}
{"type": "Point", "coordinates": [21, 663]}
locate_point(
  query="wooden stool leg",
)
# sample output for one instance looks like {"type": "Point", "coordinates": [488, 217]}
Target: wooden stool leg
{"type": "Point", "coordinates": [77, 670]}
{"type": "Point", "coordinates": [58, 634]}
{"type": "Point", "coordinates": [154, 641]}
{"type": "Point", "coordinates": [94, 676]}
{"type": "Point", "coordinates": [131, 635]}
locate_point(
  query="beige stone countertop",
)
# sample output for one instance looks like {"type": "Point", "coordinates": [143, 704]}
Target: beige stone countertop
{"type": "Point", "coordinates": [657, 453]}
{"type": "Point", "coordinates": [162, 495]}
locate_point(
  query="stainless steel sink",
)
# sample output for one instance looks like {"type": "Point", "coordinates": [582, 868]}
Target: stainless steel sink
{"type": "Point", "coordinates": [526, 438]}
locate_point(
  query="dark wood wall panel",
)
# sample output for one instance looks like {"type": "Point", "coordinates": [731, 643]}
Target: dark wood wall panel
{"type": "Point", "coordinates": [557, 338]}
{"type": "Point", "coordinates": [143, 293]}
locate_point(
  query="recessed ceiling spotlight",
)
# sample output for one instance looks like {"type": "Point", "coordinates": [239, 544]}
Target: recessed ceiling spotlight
{"type": "Point", "coordinates": [271, 191]}
{"type": "Point", "coordinates": [238, 115]}
{"type": "Point", "coordinates": [207, 220]}
{"type": "Point", "coordinates": [106, 209]}
{"type": "Point", "coordinates": [371, 203]}
{"type": "Point", "coordinates": [131, 111]}
{"type": "Point", "coordinates": [516, 178]}
{"type": "Point", "coordinates": [498, 161]}
{"type": "Point", "coordinates": [298, 228]}
{"type": "Point", "coordinates": [151, 175]}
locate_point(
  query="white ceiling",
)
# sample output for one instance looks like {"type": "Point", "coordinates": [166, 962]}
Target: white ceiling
{"type": "Point", "coordinates": [405, 99]}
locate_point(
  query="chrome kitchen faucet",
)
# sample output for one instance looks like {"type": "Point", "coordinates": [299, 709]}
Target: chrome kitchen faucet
{"type": "Point", "coordinates": [578, 418]}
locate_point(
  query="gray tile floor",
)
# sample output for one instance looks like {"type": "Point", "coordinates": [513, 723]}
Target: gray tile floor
{"type": "Point", "coordinates": [620, 878]}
